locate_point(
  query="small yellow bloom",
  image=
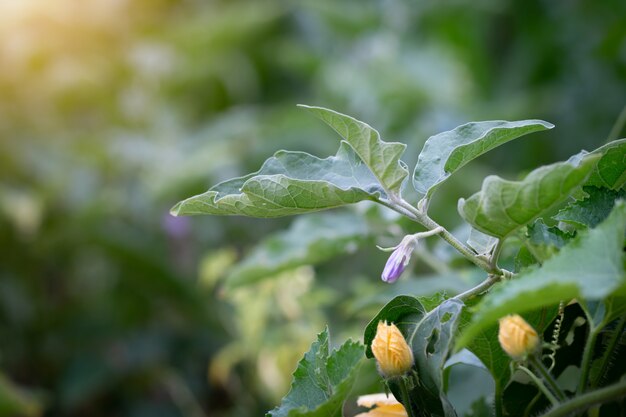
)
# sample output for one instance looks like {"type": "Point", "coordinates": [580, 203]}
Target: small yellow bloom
{"type": "Point", "coordinates": [386, 406]}
{"type": "Point", "coordinates": [392, 353]}
{"type": "Point", "coordinates": [517, 338]}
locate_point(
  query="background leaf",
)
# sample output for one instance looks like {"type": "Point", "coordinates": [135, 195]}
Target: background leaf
{"type": "Point", "coordinates": [382, 158]}
{"type": "Point", "coordinates": [322, 380]}
{"type": "Point", "coordinates": [591, 267]}
{"type": "Point", "coordinates": [592, 210]}
{"type": "Point", "coordinates": [309, 240]}
{"type": "Point", "coordinates": [502, 206]}
{"type": "Point", "coordinates": [543, 241]}
{"type": "Point", "coordinates": [289, 183]}
{"type": "Point", "coordinates": [446, 152]}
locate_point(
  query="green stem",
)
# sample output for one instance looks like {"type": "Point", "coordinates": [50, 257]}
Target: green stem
{"type": "Point", "coordinates": [585, 365]}
{"type": "Point", "coordinates": [539, 366]}
{"type": "Point", "coordinates": [493, 261]}
{"type": "Point", "coordinates": [531, 404]}
{"type": "Point", "coordinates": [498, 400]}
{"type": "Point", "coordinates": [406, 399]}
{"type": "Point", "coordinates": [402, 207]}
{"type": "Point", "coordinates": [610, 347]}
{"type": "Point", "coordinates": [540, 385]}
{"type": "Point", "coordinates": [433, 262]}
{"type": "Point", "coordinates": [583, 402]}
{"type": "Point", "coordinates": [480, 288]}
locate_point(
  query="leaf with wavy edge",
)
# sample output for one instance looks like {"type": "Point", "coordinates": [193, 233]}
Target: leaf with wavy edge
{"type": "Point", "coordinates": [382, 158]}
{"type": "Point", "coordinates": [611, 169]}
{"type": "Point", "coordinates": [446, 152]}
{"type": "Point", "coordinates": [589, 268]}
{"type": "Point", "coordinates": [322, 380]}
{"type": "Point", "coordinates": [289, 183]}
{"type": "Point", "coordinates": [502, 206]}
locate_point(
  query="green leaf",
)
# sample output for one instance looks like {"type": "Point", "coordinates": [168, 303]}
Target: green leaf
{"type": "Point", "coordinates": [486, 347]}
{"type": "Point", "coordinates": [501, 207]}
{"type": "Point", "coordinates": [404, 311]}
{"type": "Point", "coordinates": [447, 152]}
{"type": "Point", "coordinates": [480, 242]}
{"type": "Point", "coordinates": [544, 241]}
{"type": "Point", "coordinates": [322, 380]}
{"type": "Point", "coordinates": [540, 234]}
{"type": "Point", "coordinates": [430, 336]}
{"type": "Point", "coordinates": [592, 210]}
{"type": "Point", "coordinates": [524, 259]}
{"type": "Point", "coordinates": [432, 342]}
{"type": "Point", "coordinates": [611, 169]}
{"type": "Point", "coordinates": [289, 183]}
{"type": "Point", "coordinates": [310, 240]}
{"type": "Point", "coordinates": [590, 268]}
{"type": "Point", "coordinates": [382, 158]}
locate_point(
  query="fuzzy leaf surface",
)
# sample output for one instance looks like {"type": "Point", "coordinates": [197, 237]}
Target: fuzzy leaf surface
{"type": "Point", "coordinates": [322, 380]}
{"type": "Point", "coordinates": [544, 241]}
{"type": "Point", "coordinates": [447, 152]}
{"type": "Point", "coordinates": [309, 240]}
{"type": "Point", "coordinates": [611, 169]}
{"type": "Point", "coordinates": [289, 183]}
{"type": "Point", "coordinates": [501, 207]}
{"type": "Point", "coordinates": [590, 267]}
{"type": "Point", "coordinates": [593, 209]}
{"type": "Point", "coordinates": [382, 158]}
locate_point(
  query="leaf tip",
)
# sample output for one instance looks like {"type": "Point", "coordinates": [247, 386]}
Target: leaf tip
{"type": "Point", "coordinates": [175, 211]}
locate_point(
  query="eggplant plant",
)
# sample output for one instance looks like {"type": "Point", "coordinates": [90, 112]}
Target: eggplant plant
{"type": "Point", "coordinates": [565, 221]}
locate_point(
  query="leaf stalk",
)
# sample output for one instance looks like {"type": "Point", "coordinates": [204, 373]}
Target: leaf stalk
{"type": "Point", "coordinates": [585, 401]}
{"type": "Point", "coordinates": [542, 387]}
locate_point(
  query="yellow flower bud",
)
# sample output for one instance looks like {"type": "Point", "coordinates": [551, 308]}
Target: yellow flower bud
{"type": "Point", "coordinates": [392, 353]}
{"type": "Point", "coordinates": [382, 405]}
{"type": "Point", "coordinates": [517, 338]}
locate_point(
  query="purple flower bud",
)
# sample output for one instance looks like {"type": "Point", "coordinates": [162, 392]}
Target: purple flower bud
{"type": "Point", "coordinates": [399, 259]}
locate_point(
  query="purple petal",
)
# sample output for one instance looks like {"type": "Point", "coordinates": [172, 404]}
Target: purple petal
{"type": "Point", "coordinates": [394, 267]}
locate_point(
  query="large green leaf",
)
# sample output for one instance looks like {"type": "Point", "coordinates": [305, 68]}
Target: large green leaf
{"type": "Point", "coordinates": [322, 380]}
{"type": "Point", "coordinates": [611, 169]}
{"type": "Point", "coordinates": [309, 240]}
{"type": "Point", "coordinates": [446, 152]}
{"type": "Point", "coordinates": [430, 336]}
{"type": "Point", "coordinates": [590, 268]}
{"type": "Point", "coordinates": [502, 206]}
{"type": "Point", "coordinates": [593, 209]}
{"type": "Point", "coordinates": [289, 183]}
{"type": "Point", "coordinates": [382, 158]}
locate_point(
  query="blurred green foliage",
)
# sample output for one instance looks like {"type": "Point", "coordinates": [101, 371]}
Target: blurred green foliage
{"type": "Point", "coordinates": [111, 111]}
